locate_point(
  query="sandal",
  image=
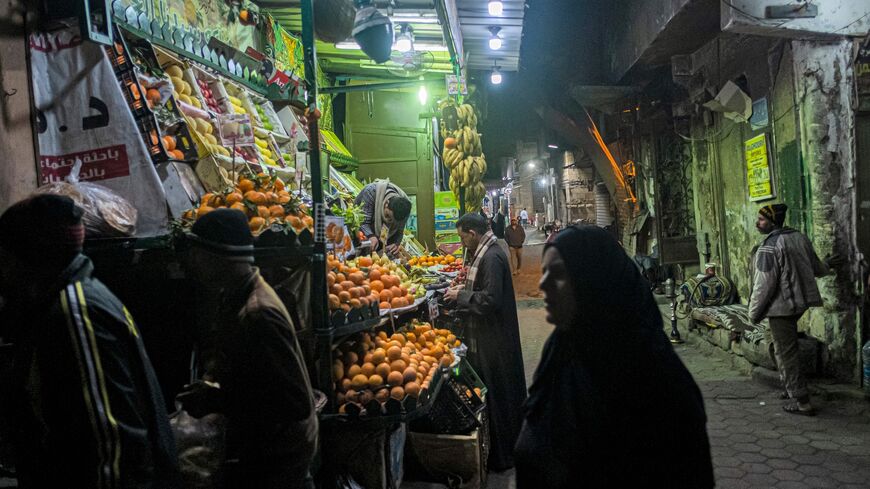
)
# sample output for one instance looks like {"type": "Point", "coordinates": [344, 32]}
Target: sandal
{"type": "Point", "coordinates": [794, 408]}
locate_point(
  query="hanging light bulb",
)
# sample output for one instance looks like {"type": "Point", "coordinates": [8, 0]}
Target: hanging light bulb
{"type": "Point", "coordinates": [495, 76]}
{"type": "Point", "coordinates": [495, 7]}
{"type": "Point", "coordinates": [495, 41]}
{"type": "Point", "coordinates": [405, 40]}
{"type": "Point", "coordinates": [423, 95]}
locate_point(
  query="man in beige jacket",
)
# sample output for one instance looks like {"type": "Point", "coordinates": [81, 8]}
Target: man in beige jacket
{"type": "Point", "coordinates": [784, 287]}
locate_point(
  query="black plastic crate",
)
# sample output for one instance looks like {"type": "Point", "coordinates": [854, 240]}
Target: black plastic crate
{"type": "Point", "coordinates": [453, 411]}
{"type": "Point", "coordinates": [119, 55]}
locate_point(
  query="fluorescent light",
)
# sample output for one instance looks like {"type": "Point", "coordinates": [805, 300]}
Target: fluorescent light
{"type": "Point", "coordinates": [495, 77]}
{"type": "Point", "coordinates": [544, 181]}
{"type": "Point", "coordinates": [415, 18]}
{"type": "Point", "coordinates": [422, 46]}
{"type": "Point", "coordinates": [552, 146]}
{"type": "Point", "coordinates": [423, 95]}
{"type": "Point", "coordinates": [419, 46]}
{"type": "Point", "coordinates": [531, 164]}
{"type": "Point", "coordinates": [495, 8]}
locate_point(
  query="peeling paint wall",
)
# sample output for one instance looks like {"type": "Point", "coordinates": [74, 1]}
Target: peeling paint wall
{"type": "Point", "coordinates": [824, 87]}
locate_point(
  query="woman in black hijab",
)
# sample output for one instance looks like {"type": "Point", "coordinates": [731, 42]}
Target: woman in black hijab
{"type": "Point", "coordinates": [611, 405]}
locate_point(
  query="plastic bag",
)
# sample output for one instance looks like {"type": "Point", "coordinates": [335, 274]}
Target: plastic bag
{"type": "Point", "coordinates": [106, 214]}
{"type": "Point", "coordinates": [201, 448]}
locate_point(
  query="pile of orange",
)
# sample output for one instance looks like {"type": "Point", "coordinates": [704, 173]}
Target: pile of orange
{"type": "Point", "coordinates": [426, 261]}
{"type": "Point", "coordinates": [263, 199]}
{"type": "Point", "coordinates": [383, 366]}
{"type": "Point", "coordinates": [352, 288]}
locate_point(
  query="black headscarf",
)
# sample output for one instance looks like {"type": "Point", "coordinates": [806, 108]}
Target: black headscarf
{"type": "Point", "coordinates": [612, 376]}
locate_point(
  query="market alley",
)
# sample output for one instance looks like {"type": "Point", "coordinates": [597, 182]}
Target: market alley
{"type": "Point", "coordinates": [754, 443]}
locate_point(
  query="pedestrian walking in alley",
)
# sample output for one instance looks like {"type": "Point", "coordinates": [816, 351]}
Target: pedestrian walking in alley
{"type": "Point", "coordinates": [515, 237]}
{"type": "Point", "coordinates": [264, 389]}
{"type": "Point", "coordinates": [486, 302]}
{"type": "Point", "coordinates": [497, 224]}
{"type": "Point", "coordinates": [524, 217]}
{"type": "Point", "coordinates": [784, 287]}
{"type": "Point", "coordinates": [611, 404]}
{"type": "Point", "coordinates": [83, 402]}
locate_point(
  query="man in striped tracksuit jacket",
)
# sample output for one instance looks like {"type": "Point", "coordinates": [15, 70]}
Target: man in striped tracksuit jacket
{"type": "Point", "coordinates": [83, 403]}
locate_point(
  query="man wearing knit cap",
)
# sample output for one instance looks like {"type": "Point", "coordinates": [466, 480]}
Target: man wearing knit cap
{"type": "Point", "coordinates": [264, 389]}
{"type": "Point", "coordinates": [83, 400]}
{"type": "Point", "coordinates": [784, 287]}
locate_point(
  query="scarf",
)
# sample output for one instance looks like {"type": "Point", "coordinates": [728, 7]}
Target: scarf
{"type": "Point", "coordinates": [384, 191]}
{"type": "Point", "coordinates": [486, 241]}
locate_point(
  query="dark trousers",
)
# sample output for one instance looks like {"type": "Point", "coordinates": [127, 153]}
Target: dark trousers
{"type": "Point", "coordinates": [787, 355]}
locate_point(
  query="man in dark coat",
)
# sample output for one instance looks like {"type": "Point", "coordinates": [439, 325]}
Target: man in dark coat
{"type": "Point", "coordinates": [264, 389]}
{"type": "Point", "coordinates": [492, 334]}
{"type": "Point", "coordinates": [83, 400]}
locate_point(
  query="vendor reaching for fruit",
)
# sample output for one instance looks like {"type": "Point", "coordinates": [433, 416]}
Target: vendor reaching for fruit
{"type": "Point", "coordinates": [384, 205]}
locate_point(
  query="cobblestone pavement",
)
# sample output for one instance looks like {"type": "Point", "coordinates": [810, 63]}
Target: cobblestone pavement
{"type": "Point", "coordinates": [757, 445]}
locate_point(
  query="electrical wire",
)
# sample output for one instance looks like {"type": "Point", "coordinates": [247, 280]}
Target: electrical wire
{"type": "Point", "coordinates": [850, 24]}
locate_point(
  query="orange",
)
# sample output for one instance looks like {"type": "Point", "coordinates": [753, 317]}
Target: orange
{"type": "Point", "coordinates": [397, 393]}
{"type": "Point", "coordinates": [396, 378]}
{"type": "Point", "coordinates": [347, 285]}
{"type": "Point", "coordinates": [359, 381]}
{"type": "Point", "coordinates": [375, 381]}
{"type": "Point", "coordinates": [279, 185]}
{"type": "Point", "coordinates": [276, 211]}
{"type": "Point", "coordinates": [169, 142]}
{"type": "Point", "coordinates": [245, 185]}
{"type": "Point", "coordinates": [336, 289]}
{"type": "Point", "coordinates": [368, 369]}
{"type": "Point", "coordinates": [386, 296]}
{"type": "Point", "coordinates": [383, 369]}
{"type": "Point", "coordinates": [397, 292]}
{"type": "Point", "coordinates": [263, 212]}
{"type": "Point", "coordinates": [409, 299]}
{"type": "Point", "coordinates": [412, 389]}
{"type": "Point", "coordinates": [353, 370]}
{"type": "Point", "coordinates": [357, 277]}
{"type": "Point", "coordinates": [340, 277]}
{"type": "Point", "coordinates": [398, 366]}
{"type": "Point", "coordinates": [176, 154]}
{"type": "Point", "coordinates": [256, 198]}
{"type": "Point", "coordinates": [398, 302]}
{"type": "Point", "coordinates": [234, 197]}
{"type": "Point", "coordinates": [153, 95]}
{"type": "Point", "coordinates": [344, 296]}
{"type": "Point", "coordinates": [394, 353]}
{"type": "Point", "coordinates": [334, 302]}
{"type": "Point", "coordinates": [295, 222]}
{"type": "Point", "coordinates": [355, 303]}
{"type": "Point", "coordinates": [409, 374]}
{"type": "Point", "coordinates": [384, 305]}
{"type": "Point", "coordinates": [330, 279]}
{"type": "Point", "coordinates": [377, 286]}
{"type": "Point", "coordinates": [256, 224]}
{"type": "Point", "coordinates": [365, 261]}
{"type": "Point", "coordinates": [203, 210]}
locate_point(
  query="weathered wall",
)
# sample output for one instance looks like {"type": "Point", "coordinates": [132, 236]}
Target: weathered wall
{"type": "Point", "coordinates": [840, 17]}
{"type": "Point", "coordinates": [811, 131]}
{"type": "Point", "coordinates": [824, 84]}
{"type": "Point", "coordinates": [18, 169]}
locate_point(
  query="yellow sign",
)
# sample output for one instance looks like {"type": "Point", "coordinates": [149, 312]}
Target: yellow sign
{"type": "Point", "coordinates": [758, 173]}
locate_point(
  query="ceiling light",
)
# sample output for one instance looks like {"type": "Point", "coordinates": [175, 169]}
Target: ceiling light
{"type": "Point", "coordinates": [531, 164]}
{"type": "Point", "coordinates": [373, 31]}
{"type": "Point", "coordinates": [495, 8]}
{"type": "Point", "coordinates": [415, 18]}
{"type": "Point", "coordinates": [495, 77]}
{"type": "Point", "coordinates": [552, 146]}
{"type": "Point", "coordinates": [423, 95]}
{"type": "Point", "coordinates": [544, 181]}
{"type": "Point", "coordinates": [419, 46]}
{"type": "Point", "coordinates": [405, 40]}
{"type": "Point", "coordinates": [495, 42]}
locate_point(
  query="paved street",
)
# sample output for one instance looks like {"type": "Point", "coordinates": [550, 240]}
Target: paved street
{"type": "Point", "coordinates": [754, 443]}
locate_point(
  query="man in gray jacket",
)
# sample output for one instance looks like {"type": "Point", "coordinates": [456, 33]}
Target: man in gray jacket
{"type": "Point", "coordinates": [784, 287]}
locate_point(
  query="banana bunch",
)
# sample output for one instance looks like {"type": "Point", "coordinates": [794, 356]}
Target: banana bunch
{"type": "Point", "coordinates": [464, 157]}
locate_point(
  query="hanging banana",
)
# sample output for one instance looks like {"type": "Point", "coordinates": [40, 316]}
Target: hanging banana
{"type": "Point", "coordinates": [465, 159]}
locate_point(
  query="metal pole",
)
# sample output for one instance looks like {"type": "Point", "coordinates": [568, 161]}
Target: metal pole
{"type": "Point", "coordinates": [318, 266]}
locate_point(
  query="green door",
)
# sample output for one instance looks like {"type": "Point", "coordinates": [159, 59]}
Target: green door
{"type": "Point", "coordinates": [385, 133]}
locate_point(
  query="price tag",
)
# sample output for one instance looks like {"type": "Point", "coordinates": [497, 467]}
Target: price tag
{"type": "Point", "coordinates": [433, 308]}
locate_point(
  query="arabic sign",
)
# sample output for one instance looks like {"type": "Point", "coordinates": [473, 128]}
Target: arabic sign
{"type": "Point", "coordinates": [81, 115]}
{"type": "Point", "coordinates": [97, 164]}
{"type": "Point", "coordinates": [758, 171]}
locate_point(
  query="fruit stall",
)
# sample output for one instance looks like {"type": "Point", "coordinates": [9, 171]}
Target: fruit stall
{"type": "Point", "coordinates": [224, 128]}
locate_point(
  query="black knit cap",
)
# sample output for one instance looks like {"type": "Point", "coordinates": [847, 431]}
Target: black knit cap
{"type": "Point", "coordinates": [44, 229]}
{"type": "Point", "coordinates": [224, 232]}
{"type": "Point", "coordinates": [774, 213]}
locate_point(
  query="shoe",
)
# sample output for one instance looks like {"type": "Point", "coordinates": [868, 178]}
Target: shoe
{"type": "Point", "coordinates": [795, 408]}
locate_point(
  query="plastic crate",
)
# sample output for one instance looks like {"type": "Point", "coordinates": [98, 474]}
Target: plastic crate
{"type": "Point", "coordinates": [453, 411]}
{"type": "Point", "coordinates": [118, 54]}
{"type": "Point", "coordinates": [133, 94]}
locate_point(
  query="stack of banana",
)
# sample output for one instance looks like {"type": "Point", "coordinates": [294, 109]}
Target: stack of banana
{"type": "Point", "coordinates": [464, 157]}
